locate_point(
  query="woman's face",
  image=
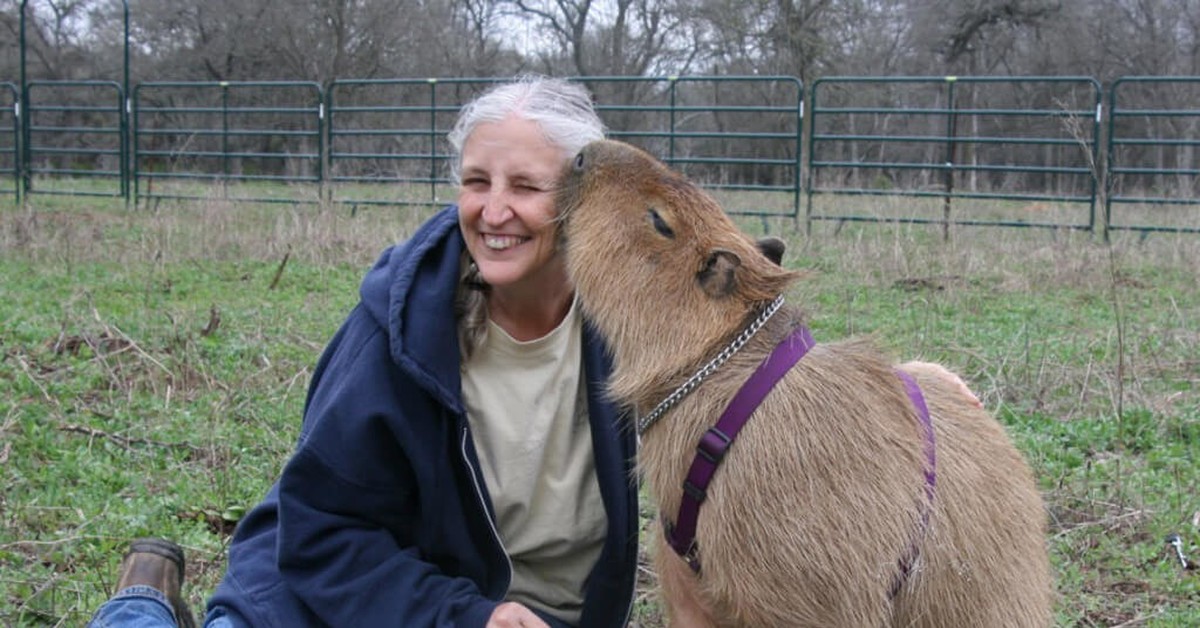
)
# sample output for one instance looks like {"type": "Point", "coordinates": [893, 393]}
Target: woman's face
{"type": "Point", "coordinates": [506, 203]}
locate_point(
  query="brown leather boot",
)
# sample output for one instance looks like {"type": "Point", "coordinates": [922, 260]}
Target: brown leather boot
{"type": "Point", "coordinates": [157, 563]}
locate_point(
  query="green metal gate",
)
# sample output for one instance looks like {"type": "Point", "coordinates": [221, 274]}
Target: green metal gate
{"type": "Point", "coordinates": [10, 144]}
{"type": "Point", "coordinates": [74, 139]}
{"type": "Point", "coordinates": [386, 139]}
{"type": "Point", "coordinates": [1023, 150]}
{"type": "Point", "coordinates": [738, 136]}
{"type": "Point", "coordinates": [256, 141]}
{"type": "Point", "coordinates": [1154, 154]}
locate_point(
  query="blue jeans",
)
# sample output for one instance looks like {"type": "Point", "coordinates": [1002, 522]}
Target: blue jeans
{"type": "Point", "coordinates": [141, 606]}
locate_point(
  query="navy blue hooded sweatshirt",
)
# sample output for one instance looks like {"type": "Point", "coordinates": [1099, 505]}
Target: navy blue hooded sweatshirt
{"type": "Point", "coordinates": [381, 517]}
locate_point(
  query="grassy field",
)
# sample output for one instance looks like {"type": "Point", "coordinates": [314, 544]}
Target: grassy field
{"type": "Point", "coordinates": [153, 365]}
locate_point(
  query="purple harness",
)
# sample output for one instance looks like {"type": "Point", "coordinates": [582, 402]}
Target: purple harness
{"type": "Point", "coordinates": [715, 443]}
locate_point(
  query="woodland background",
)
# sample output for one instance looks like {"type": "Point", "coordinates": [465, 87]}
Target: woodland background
{"type": "Point", "coordinates": [325, 40]}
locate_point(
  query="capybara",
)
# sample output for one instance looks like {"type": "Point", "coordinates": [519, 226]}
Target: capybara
{"type": "Point", "coordinates": [837, 504]}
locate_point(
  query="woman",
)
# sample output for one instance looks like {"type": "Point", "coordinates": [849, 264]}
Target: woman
{"type": "Point", "coordinates": [458, 464]}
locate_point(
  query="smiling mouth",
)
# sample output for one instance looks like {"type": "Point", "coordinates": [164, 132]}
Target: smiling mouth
{"type": "Point", "coordinates": [501, 242]}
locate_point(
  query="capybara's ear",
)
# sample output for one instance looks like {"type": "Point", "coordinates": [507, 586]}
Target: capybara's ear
{"type": "Point", "coordinates": [772, 247]}
{"type": "Point", "coordinates": [718, 276]}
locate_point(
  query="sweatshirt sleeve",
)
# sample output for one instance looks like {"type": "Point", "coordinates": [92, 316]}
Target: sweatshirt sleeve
{"type": "Point", "coordinates": [350, 515]}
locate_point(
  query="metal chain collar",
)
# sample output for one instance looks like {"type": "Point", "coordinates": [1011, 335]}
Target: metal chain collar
{"type": "Point", "coordinates": [708, 369]}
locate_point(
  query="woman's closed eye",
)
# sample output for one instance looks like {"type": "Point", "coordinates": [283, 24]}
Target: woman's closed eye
{"type": "Point", "coordinates": [528, 186]}
{"type": "Point", "coordinates": [474, 182]}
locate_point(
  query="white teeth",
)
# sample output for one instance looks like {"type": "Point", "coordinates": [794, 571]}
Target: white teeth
{"type": "Point", "coordinates": [501, 242]}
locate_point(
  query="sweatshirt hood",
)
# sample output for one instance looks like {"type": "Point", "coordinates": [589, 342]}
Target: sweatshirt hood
{"type": "Point", "coordinates": [410, 292]}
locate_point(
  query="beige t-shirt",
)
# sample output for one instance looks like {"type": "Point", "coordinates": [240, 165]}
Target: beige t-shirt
{"type": "Point", "coordinates": [527, 407]}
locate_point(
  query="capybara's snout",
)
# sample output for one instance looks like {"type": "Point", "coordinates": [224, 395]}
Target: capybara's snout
{"type": "Point", "coordinates": [631, 164]}
{"type": "Point", "coordinates": [580, 160]}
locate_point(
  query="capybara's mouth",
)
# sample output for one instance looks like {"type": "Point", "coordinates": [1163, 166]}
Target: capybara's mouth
{"type": "Point", "coordinates": [576, 175]}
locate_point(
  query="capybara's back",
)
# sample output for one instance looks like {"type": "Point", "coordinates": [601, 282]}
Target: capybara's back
{"type": "Point", "coordinates": [838, 504]}
{"type": "Point", "coordinates": [985, 561]}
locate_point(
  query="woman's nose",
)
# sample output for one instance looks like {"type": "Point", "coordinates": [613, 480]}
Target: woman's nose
{"type": "Point", "coordinates": [496, 209]}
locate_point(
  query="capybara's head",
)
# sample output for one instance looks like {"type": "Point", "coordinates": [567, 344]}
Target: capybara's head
{"type": "Point", "coordinates": [655, 259]}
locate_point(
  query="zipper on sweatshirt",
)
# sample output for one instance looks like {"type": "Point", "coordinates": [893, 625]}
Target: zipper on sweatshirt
{"type": "Point", "coordinates": [479, 493]}
{"type": "Point", "coordinates": [636, 532]}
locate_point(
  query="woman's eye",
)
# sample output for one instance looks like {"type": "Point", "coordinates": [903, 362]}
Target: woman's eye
{"type": "Point", "coordinates": [528, 185]}
{"type": "Point", "coordinates": [660, 225]}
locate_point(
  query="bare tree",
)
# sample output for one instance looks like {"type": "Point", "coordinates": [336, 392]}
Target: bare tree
{"type": "Point", "coordinates": [315, 40]}
{"type": "Point", "coordinates": [475, 52]}
{"type": "Point", "coordinates": [322, 40]}
{"type": "Point", "coordinates": [976, 36]}
{"type": "Point", "coordinates": [802, 38]}
{"type": "Point", "coordinates": [56, 38]}
{"type": "Point", "coordinates": [618, 38]}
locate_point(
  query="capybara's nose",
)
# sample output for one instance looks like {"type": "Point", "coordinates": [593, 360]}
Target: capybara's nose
{"type": "Point", "coordinates": [578, 164]}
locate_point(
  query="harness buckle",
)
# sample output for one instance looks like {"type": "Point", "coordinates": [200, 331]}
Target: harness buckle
{"type": "Point", "coordinates": [713, 445]}
{"type": "Point", "coordinates": [688, 550]}
{"type": "Point", "coordinates": [695, 492]}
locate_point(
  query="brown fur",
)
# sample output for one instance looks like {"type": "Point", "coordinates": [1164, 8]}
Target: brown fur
{"type": "Point", "coordinates": [822, 494]}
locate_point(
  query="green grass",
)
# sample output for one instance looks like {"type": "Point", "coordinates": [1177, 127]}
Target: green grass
{"type": "Point", "coordinates": [153, 365]}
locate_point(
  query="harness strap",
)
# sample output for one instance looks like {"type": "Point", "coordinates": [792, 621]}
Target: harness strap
{"type": "Point", "coordinates": [930, 447]}
{"type": "Point", "coordinates": [713, 445]}
{"type": "Point", "coordinates": [716, 441]}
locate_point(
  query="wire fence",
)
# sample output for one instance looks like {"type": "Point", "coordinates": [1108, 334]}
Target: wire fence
{"type": "Point", "coordinates": [1021, 139]}
{"type": "Point", "coordinates": [1154, 152]}
{"type": "Point", "coordinates": [994, 151]}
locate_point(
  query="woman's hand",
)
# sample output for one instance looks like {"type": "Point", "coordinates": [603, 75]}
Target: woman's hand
{"type": "Point", "coordinates": [514, 615]}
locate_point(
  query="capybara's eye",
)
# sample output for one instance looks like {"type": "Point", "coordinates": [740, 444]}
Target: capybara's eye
{"type": "Point", "coordinates": [579, 161]}
{"type": "Point", "coordinates": [661, 225]}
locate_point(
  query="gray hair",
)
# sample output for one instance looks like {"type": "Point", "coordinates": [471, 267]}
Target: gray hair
{"type": "Point", "coordinates": [564, 112]}
{"type": "Point", "coordinates": [562, 109]}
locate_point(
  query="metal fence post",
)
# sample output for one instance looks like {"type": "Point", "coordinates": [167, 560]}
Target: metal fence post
{"type": "Point", "coordinates": [951, 146]}
{"type": "Point", "coordinates": [433, 140]}
{"type": "Point", "coordinates": [125, 139]}
{"type": "Point", "coordinates": [23, 167]}
{"type": "Point", "coordinates": [14, 109]}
